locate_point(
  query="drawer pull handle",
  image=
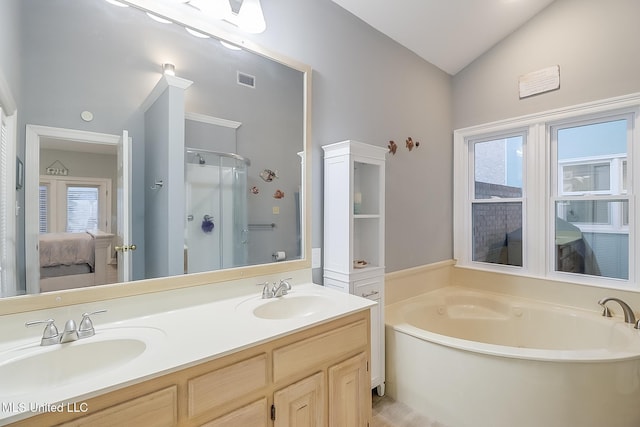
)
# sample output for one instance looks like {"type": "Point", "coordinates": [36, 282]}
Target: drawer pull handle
{"type": "Point", "coordinates": [370, 294]}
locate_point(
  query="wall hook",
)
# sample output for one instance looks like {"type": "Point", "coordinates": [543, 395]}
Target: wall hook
{"type": "Point", "coordinates": [157, 185]}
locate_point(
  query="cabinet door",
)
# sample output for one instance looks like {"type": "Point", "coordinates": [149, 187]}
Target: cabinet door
{"type": "Point", "coordinates": [377, 346]}
{"type": "Point", "coordinates": [350, 393]}
{"type": "Point", "coordinates": [301, 404]}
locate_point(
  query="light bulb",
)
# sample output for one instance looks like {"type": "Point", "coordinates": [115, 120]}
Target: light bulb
{"type": "Point", "coordinates": [229, 45]}
{"type": "Point", "coordinates": [117, 3]}
{"type": "Point", "coordinates": [218, 9]}
{"type": "Point", "coordinates": [158, 18]}
{"type": "Point", "coordinates": [169, 69]}
{"type": "Point", "coordinates": [250, 17]}
{"type": "Point", "coordinates": [195, 33]}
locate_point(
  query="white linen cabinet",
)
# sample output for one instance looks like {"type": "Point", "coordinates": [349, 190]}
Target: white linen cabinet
{"type": "Point", "coordinates": [354, 233]}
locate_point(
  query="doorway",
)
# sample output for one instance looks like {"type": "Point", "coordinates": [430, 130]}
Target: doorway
{"type": "Point", "coordinates": [42, 144]}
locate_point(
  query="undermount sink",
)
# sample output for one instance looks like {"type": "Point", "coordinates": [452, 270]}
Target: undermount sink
{"type": "Point", "coordinates": [31, 368]}
{"type": "Point", "coordinates": [292, 306]}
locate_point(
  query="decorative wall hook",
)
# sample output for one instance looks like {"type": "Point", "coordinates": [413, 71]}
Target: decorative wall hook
{"type": "Point", "coordinates": [392, 147]}
{"type": "Point", "coordinates": [157, 185]}
{"type": "Point", "coordinates": [57, 168]}
{"type": "Point", "coordinates": [268, 175]}
{"type": "Point", "coordinates": [410, 144]}
{"type": "Point", "coordinates": [207, 224]}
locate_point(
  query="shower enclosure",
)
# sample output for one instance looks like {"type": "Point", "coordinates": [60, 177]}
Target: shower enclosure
{"type": "Point", "coordinates": [216, 229]}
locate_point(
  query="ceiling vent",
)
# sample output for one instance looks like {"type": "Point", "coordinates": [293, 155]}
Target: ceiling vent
{"type": "Point", "coordinates": [246, 80]}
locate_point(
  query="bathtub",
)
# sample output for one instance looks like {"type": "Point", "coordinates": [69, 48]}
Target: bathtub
{"type": "Point", "coordinates": [466, 358]}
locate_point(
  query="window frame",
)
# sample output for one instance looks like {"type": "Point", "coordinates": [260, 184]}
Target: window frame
{"type": "Point", "coordinates": [473, 200]}
{"type": "Point", "coordinates": [540, 183]}
{"type": "Point", "coordinates": [57, 197]}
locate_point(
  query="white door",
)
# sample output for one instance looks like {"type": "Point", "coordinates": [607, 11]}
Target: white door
{"type": "Point", "coordinates": [8, 278]}
{"type": "Point", "coordinates": [124, 246]}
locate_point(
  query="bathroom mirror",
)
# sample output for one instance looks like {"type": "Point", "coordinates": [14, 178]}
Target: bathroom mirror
{"type": "Point", "coordinates": [94, 67]}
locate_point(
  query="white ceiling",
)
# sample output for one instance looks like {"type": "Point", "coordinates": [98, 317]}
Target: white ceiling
{"type": "Point", "coordinates": [447, 33]}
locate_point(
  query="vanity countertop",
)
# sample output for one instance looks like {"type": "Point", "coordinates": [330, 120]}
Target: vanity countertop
{"type": "Point", "coordinates": [175, 339]}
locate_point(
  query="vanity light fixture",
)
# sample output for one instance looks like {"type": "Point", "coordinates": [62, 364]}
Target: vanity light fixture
{"type": "Point", "coordinates": [158, 18]}
{"type": "Point", "coordinates": [169, 69]}
{"type": "Point", "coordinates": [218, 9]}
{"type": "Point", "coordinates": [245, 14]}
{"type": "Point", "coordinates": [230, 45]}
{"type": "Point", "coordinates": [116, 3]}
{"type": "Point", "coordinates": [195, 33]}
{"type": "Point", "coordinates": [250, 17]}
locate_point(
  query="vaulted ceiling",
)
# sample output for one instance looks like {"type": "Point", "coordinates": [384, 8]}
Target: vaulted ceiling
{"type": "Point", "coordinates": [448, 33]}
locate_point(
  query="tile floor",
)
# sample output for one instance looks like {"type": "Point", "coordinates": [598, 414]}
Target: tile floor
{"type": "Point", "coordinates": [389, 413]}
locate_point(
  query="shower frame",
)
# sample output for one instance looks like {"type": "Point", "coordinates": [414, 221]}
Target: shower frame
{"type": "Point", "coordinates": [226, 208]}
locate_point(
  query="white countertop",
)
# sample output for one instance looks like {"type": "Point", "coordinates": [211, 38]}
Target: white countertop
{"type": "Point", "coordinates": [176, 339]}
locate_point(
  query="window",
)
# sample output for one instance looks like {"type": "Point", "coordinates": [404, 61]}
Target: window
{"type": "Point", "coordinates": [591, 201]}
{"type": "Point", "coordinates": [551, 194]}
{"type": "Point", "coordinates": [496, 203]}
{"type": "Point", "coordinates": [74, 204]}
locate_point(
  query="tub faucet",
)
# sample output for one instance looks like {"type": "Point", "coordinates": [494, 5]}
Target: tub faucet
{"type": "Point", "coordinates": [629, 317]}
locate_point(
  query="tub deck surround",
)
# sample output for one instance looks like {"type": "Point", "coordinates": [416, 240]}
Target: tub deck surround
{"type": "Point", "coordinates": [218, 322]}
{"type": "Point", "coordinates": [526, 362]}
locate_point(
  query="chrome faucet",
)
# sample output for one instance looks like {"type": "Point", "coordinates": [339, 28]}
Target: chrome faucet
{"type": "Point", "coordinates": [86, 329]}
{"type": "Point", "coordinates": [282, 288]}
{"type": "Point", "coordinates": [629, 317]}
{"type": "Point", "coordinates": [70, 333]}
{"type": "Point", "coordinates": [277, 290]}
{"type": "Point", "coordinates": [50, 334]}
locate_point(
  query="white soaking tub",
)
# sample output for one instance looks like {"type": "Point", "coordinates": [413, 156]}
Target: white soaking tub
{"type": "Point", "coordinates": [467, 358]}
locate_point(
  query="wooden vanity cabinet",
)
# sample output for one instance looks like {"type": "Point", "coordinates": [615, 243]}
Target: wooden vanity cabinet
{"type": "Point", "coordinates": [317, 377]}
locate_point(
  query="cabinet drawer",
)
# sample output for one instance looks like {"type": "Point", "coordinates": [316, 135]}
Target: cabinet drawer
{"type": "Point", "coordinates": [254, 414]}
{"type": "Point", "coordinates": [157, 409]}
{"type": "Point", "coordinates": [226, 384]}
{"type": "Point", "coordinates": [311, 353]}
{"type": "Point", "coordinates": [368, 288]}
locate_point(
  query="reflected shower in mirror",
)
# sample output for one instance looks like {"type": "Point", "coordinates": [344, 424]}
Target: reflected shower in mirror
{"type": "Point", "coordinates": [106, 80]}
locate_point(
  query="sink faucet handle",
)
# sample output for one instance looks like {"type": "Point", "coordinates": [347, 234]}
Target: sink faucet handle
{"type": "Point", "coordinates": [282, 288]}
{"type": "Point", "coordinates": [86, 328]}
{"type": "Point", "coordinates": [286, 281]}
{"type": "Point", "coordinates": [266, 290]}
{"type": "Point", "coordinates": [50, 334]}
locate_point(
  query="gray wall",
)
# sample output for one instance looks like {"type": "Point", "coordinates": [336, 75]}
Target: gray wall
{"type": "Point", "coordinates": [593, 41]}
{"type": "Point", "coordinates": [368, 88]}
{"type": "Point", "coordinates": [164, 207]}
{"type": "Point", "coordinates": [10, 45]}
